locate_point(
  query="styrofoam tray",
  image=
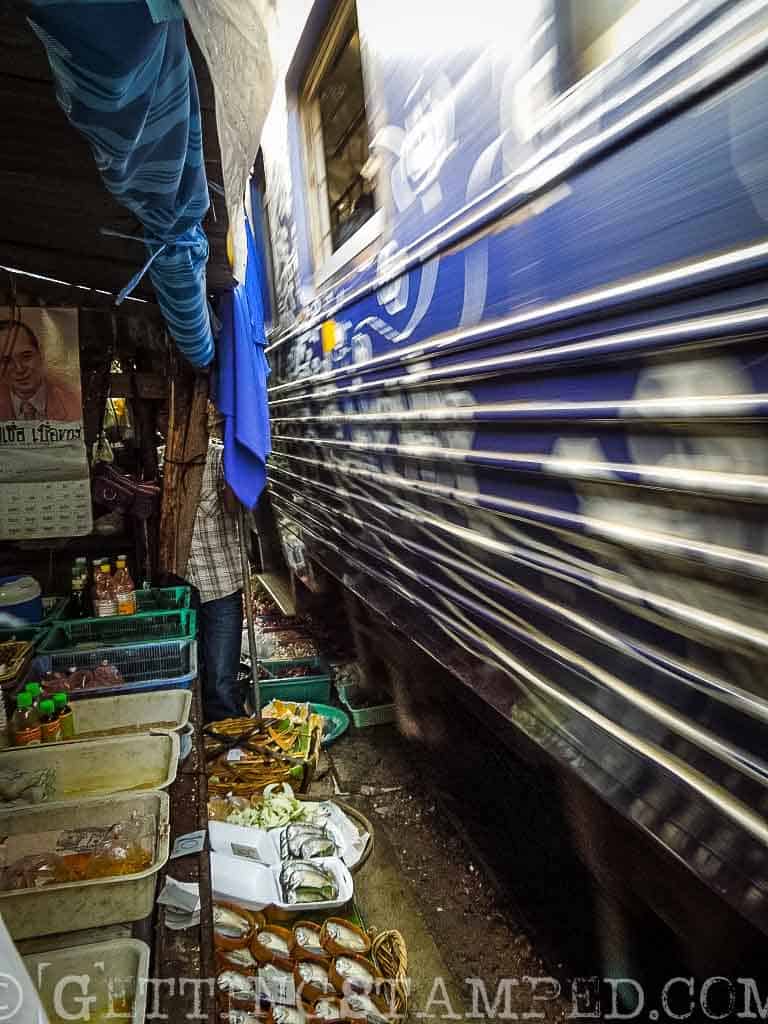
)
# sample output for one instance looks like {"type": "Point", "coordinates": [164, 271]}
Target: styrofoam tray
{"type": "Point", "coordinates": [101, 970]}
{"type": "Point", "coordinates": [263, 845]}
{"type": "Point", "coordinates": [255, 885]}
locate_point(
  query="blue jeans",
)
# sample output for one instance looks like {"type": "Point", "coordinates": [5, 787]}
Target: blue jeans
{"type": "Point", "coordinates": [221, 631]}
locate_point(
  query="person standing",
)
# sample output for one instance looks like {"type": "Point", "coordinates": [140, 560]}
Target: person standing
{"type": "Point", "coordinates": [215, 572]}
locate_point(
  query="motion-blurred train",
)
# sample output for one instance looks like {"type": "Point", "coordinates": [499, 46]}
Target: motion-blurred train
{"type": "Point", "coordinates": [518, 304]}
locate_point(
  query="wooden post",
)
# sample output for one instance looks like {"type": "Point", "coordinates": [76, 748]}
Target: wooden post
{"type": "Point", "coordinates": [185, 454]}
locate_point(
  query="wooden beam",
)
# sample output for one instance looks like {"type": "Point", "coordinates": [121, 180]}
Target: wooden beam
{"type": "Point", "coordinates": [185, 455]}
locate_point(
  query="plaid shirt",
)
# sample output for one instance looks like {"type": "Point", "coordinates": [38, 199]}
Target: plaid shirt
{"type": "Point", "coordinates": [214, 558]}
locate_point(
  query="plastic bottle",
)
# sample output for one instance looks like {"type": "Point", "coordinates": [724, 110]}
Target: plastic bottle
{"type": "Point", "coordinates": [36, 692]}
{"type": "Point", "coordinates": [125, 589]}
{"type": "Point", "coordinates": [65, 715]}
{"type": "Point", "coordinates": [104, 602]}
{"type": "Point", "coordinates": [25, 724]}
{"type": "Point", "coordinates": [78, 608]}
{"type": "Point", "coordinates": [50, 726]}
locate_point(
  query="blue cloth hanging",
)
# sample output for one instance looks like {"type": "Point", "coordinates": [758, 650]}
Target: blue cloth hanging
{"type": "Point", "coordinates": [241, 384]}
{"type": "Point", "coordinates": [126, 83]}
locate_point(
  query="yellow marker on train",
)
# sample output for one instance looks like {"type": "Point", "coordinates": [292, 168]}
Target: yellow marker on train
{"type": "Point", "coordinates": [328, 336]}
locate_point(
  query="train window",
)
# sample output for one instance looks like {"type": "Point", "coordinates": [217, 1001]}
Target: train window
{"type": "Point", "coordinates": [262, 237]}
{"type": "Point", "coordinates": [593, 32]}
{"type": "Point", "coordinates": [341, 196]}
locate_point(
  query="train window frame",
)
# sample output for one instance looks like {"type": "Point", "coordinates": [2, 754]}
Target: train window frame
{"type": "Point", "coordinates": [257, 206]}
{"type": "Point", "coordinates": [327, 261]}
{"type": "Point", "coordinates": [564, 15]}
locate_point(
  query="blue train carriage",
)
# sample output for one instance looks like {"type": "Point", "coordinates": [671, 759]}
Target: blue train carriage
{"type": "Point", "coordinates": [519, 377]}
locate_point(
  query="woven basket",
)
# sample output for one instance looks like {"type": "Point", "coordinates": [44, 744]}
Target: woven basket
{"type": "Point", "coordinates": [390, 955]}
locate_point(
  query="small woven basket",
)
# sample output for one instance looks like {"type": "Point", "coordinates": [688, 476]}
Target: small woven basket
{"type": "Point", "coordinates": [390, 955]}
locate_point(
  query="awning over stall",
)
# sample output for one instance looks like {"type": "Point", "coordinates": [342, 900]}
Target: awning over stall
{"type": "Point", "coordinates": [126, 82]}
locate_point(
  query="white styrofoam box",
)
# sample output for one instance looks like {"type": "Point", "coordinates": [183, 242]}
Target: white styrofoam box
{"type": "Point", "coordinates": [264, 844]}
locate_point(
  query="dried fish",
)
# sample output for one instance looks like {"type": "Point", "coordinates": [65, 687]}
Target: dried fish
{"type": "Point", "coordinates": [309, 939]}
{"type": "Point", "coordinates": [239, 986]}
{"type": "Point", "coordinates": [241, 958]}
{"type": "Point", "coordinates": [288, 1015]}
{"type": "Point", "coordinates": [306, 882]}
{"type": "Point", "coordinates": [355, 972]}
{"type": "Point", "coordinates": [360, 1005]}
{"type": "Point", "coordinates": [328, 1009]}
{"type": "Point", "coordinates": [277, 985]}
{"type": "Point", "coordinates": [239, 1017]}
{"type": "Point", "coordinates": [230, 924]}
{"type": "Point", "coordinates": [346, 937]}
{"type": "Point", "coordinates": [318, 846]}
{"type": "Point", "coordinates": [294, 835]}
{"type": "Point", "coordinates": [315, 975]}
{"type": "Point", "coordinates": [274, 943]}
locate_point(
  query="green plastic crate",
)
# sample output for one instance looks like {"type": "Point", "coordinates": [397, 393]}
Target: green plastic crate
{"type": "Point", "coordinates": [382, 714]}
{"type": "Point", "coordinates": [303, 689]}
{"type": "Point", "coordinates": [163, 599]}
{"type": "Point", "coordinates": [156, 599]}
{"type": "Point", "coordinates": [120, 630]}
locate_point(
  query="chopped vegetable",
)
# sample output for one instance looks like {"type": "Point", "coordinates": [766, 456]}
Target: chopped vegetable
{"type": "Point", "coordinates": [277, 807]}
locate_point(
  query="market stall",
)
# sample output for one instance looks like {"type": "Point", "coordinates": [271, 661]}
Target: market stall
{"type": "Point", "coordinates": [197, 863]}
{"type": "Point", "coordinates": [201, 850]}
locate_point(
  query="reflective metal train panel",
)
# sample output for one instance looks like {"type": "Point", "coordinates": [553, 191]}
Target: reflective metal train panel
{"type": "Point", "coordinates": [527, 421]}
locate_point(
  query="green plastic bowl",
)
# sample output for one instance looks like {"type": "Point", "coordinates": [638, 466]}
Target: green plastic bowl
{"type": "Point", "coordinates": [336, 722]}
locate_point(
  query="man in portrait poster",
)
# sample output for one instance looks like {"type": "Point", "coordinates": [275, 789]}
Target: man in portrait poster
{"type": "Point", "coordinates": [28, 389]}
{"type": "Point", "coordinates": [44, 479]}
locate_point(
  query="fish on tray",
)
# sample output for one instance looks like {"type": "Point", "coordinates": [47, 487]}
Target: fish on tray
{"type": "Point", "coordinates": [315, 976]}
{"type": "Point", "coordinates": [229, 923]}
{"type": "Point", "coordinates": [274, 943]}
{"type": "Point", "coordinates": [305, 882]}
{"type": "Point", "coordinates": [328, 1009]}
{"type": "Point", "coordinates": [318, 846]}
{"type": "Point", "coordinates": [355, 973]}
{"type": "Point", "coordinates": [242, 959]}
{"type": "Point", "coordinates": [288, 1015]}
{"type": "Point", "coordinates": [296, 836]}
{"type": "Point", "coordinates": [238, 986]}
{"type": "Point", "coordinates": [346, 937]}
{"type": "Point", "coordinates": [276, 985]}
{"type": "Point", "coordinates": [362, 1006]}
{"type": "Point", "coordinates": [308, 938]}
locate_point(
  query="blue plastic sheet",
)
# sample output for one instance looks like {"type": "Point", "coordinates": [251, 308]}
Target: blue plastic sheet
{"type": "Point", "coordinates": [126, 82]}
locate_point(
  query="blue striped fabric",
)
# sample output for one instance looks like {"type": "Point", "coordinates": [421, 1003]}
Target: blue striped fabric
{"type": "Point", "coordinates": [126, 82]}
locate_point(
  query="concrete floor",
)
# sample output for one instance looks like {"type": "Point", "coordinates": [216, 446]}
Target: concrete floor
{"type": "Point", "coordinates": [424, 879]}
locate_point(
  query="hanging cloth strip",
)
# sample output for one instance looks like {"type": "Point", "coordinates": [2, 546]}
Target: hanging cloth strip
{"type": "Point", "coordinates": [241, 384]}
{"type": "Point", "coordinates": [126, 82]}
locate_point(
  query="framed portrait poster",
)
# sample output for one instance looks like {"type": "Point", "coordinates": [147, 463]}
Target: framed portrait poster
{"type": "Point", "coordinates": [44, 480]}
